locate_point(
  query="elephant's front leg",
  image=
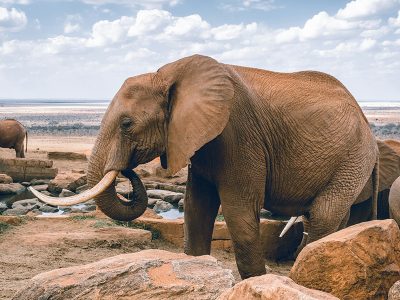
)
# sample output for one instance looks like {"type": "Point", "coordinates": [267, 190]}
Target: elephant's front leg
{"type": "Point", "coordinates": [201, 208]}
{"type": "Point", "coordinates": [241, 208]}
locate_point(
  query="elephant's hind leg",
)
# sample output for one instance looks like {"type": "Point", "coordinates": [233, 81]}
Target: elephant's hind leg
{"type": "Point", "coordinates": [19, 150]}
{"type": "Point", "coordinates": [330, 210]}
{"type": "Point", "coordinates": [201, 208]}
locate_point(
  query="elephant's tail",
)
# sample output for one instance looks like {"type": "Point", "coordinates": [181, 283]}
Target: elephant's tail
{"type": "Point", "coordinates": [375, 189]}
{"type": "Point", "coordinates": [26, 141]}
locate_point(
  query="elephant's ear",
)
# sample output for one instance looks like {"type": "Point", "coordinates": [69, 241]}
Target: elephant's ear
{"type": "Point", "coordinates": [199, 92]}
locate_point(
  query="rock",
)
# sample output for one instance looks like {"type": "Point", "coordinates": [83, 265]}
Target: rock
{"type": "Point", "coordinates": [151, 202]}
{"type": "Point", "coordinates": [82, 188]}
{"type": "Point", "coordinates": [394, 292]}
{"type": "Point", "coordinates": [124, 188]}
{"type": "Point", "coordinates": [11, 188]}
{"type": "Point", "coordinates": [47, 193]}
{"type": "Point", "coordinates": [272, 287]}
{"type": "Point", "coordinates": [41, 187]}
{"type": "Point", "coordinates": [3, 207]}
{"type": "Point", "coordinates": [151, 185]}
{"type": "Point", "coordinates": [39, 181]}
{"type": "Point", "coordinates": [168, 196]}
{"type": "Point", "coordinates": [66, 155]}
{"type": "Point", "coordinates": [26, 183]}
{"type": "Point", "coordinates": [4, 178]}
{"type": "Point", "coordinates": [18, 211]}
{"type": "Point", "coordinates": [48, 209]}
{"type": "Point", "coordinates": [359, 262]}
{"type": "Point", "coordinates": [27, 203]}
{"type": "Point", "coordinates": [172, 187]}
{"type": "Point", "coordinates": [66, 193]}
{"type": "Point", "coordinates": [162, 206]}
{"type": "Point", "coordinates": [148, 274]}
{"type": "Point", "coordinates": [69, 181]}
{"type": "Point", "coordinates": [181, 204]}
{"type": "Point", "coordinates": [80, 171]}
{"type": "Point", "coordinates": [142, 172]}
{"type": "Point", "coordinates": [88, 208]}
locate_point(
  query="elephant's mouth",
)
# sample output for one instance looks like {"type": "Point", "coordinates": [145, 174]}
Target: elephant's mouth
{"type": "Point", "coordinates": [107, 180]}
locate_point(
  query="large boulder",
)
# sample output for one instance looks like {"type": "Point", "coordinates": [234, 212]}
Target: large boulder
{"type": "Point", "coordinates": [394, 292]}
{"type": "Point", "coordinates": [149, 274]}
{"type": "Point", "coordinates": [11, 188]}
{"type": "Point", "coordinates": [273, 287]}
{"type": "Point", "coordinates": [359, 262]}
{"type": "Point", "coordinates": [70, 181]}
{"type": "Point", "coordinates": [4, 178]}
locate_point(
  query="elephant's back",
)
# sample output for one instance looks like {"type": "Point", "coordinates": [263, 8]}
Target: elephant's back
{"type": "Point", "coordinates": [11, 131]}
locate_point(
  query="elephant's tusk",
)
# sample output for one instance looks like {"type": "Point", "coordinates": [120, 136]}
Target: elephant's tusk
{"type": "Point", "coordinates": [288, 225]}
{"type": "Point", "coordinates": [100, 187]}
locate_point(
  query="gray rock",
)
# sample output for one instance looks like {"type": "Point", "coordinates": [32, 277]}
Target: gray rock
{"type": "Point", "coordinates": [394, 292]}
{"type": "Point", "coordinates": [82, 188]}
{"type": "Point", "coordinates": [11, 188]}
{"type": "Point", "coordinates": [66, 193]}
{"type": "Point", "coordinates": [41, 187]}
{"type": "Point", "coordinates": [29, 204]}
{"type": "Point", "coordinates": [90, 202]}
{"type": "Point", "coordinates": [48, 209]}
{"type": "Point", "coordinates": [162, 206]}
{"type": "Point", "coordinates": [172, 187]}
{"type": "Point", "coordinates": [181, 204]}
{"type": "Point", "coordinates": [88, 208]}
{"type": "Point", "coordinates": [3, 207]}
{"type": "Point", "coordinates": [151, 185]}
{"type": "Point", "coordinates": [39, 181]}
{"type": "Point", "coordinates": [168, 196]}
{"type": "Point", "coordinates": [18, 211]}
{"type": "Point", "coordinates": [151, 202]}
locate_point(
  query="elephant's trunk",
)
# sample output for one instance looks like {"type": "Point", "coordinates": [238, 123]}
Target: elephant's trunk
{"type": "Point", "coordinates": [109, 202]}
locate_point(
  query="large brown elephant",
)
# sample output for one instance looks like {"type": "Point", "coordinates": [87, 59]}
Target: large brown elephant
{"type": "Point", "coordinates": [293, 143]}
{"type": "Point", "coordinates": [389, 170]}
{"type": "Point", "coordinates": [12, 135]}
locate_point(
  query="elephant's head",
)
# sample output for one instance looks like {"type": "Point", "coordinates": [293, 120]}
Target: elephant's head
{"type": "Point", "coordinates": [170, 113]}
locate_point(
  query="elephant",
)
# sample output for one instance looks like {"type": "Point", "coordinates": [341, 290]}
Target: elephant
{"type": "Point", "coordinates": [394, 201]}
{"type": "Point", "coordinates": [389, 170]}
{"type": "Point", "coordinates": [12, 135]}
{"type": "Point", "coordinates": [250, 138]}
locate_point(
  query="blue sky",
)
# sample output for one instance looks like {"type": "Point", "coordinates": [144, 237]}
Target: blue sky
{"type": "Point", "coordinates": [85, 49]}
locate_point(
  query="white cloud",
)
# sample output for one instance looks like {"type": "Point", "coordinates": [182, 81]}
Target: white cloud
{"type": "Point", "coordinates": [321, 24]}
{"type": "Point", "coordinates": [189, 25]}
{"type": "Point", "coordinates": [148, 4]}
{"type": "Point", "coordinates": [148, 21]}
{"type": "Point", "coordinates": [71, 28]}
{"type": "Point", "coordinates": [395, 22]}
{"type": "Point", "coordinates": [232, 31]}
{"type": "Point", "coordinates": [12, 19]}
{"type": "Point", "coordinates": [108, 32]}
{"type": "Point", "coordinates": [23, 2]}
{"type": "Point", "coordinates": [365, 8]}
{"type": "Point", "coordinates": [240, 5]}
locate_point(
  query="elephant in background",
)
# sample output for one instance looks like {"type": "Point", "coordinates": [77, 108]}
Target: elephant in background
{"type": "Point", "coordinates": [252, 138]}
{"type": "Point", "coordinates": [394, 201]}
{"type": "Point", "coordinates": [12, 135]}
{"type": "Point", "coordinates": [389, 170]}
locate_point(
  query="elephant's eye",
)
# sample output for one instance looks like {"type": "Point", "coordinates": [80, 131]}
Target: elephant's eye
{"type": "Point", "coordinates": [126, 123]}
